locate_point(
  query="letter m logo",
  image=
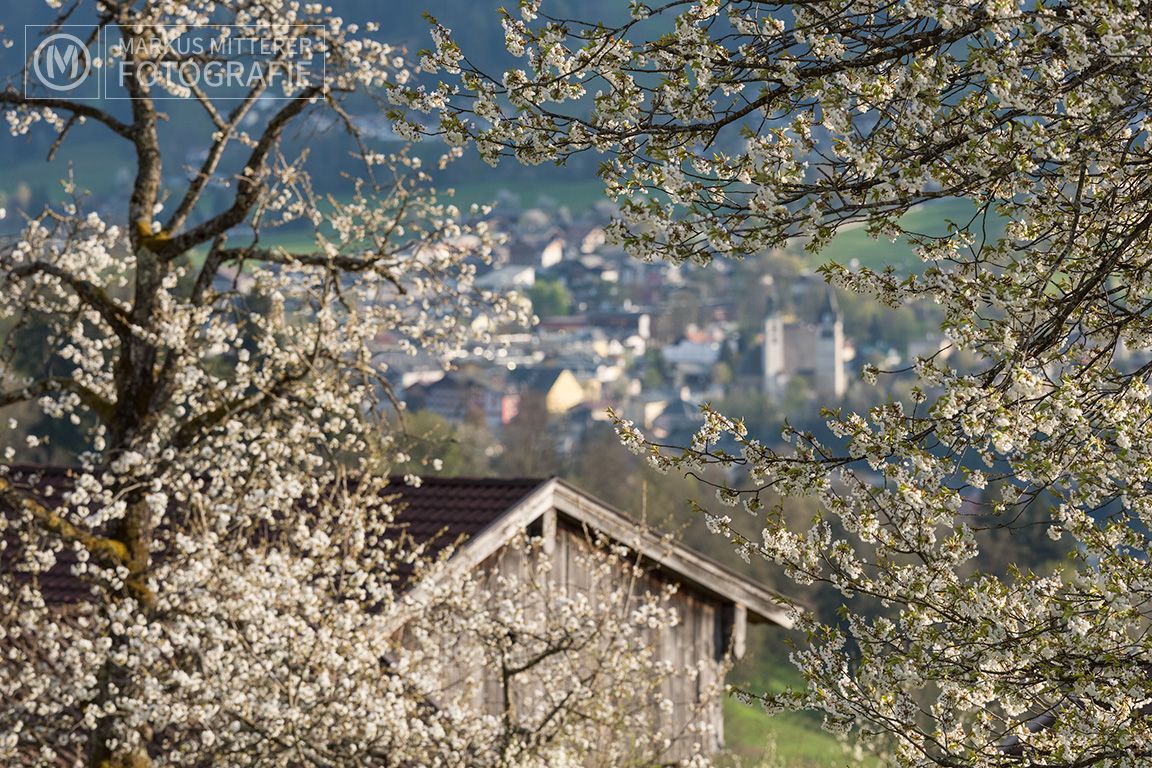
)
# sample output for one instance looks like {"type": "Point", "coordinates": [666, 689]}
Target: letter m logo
{"type": "Point", "coordinates": [63, 58]}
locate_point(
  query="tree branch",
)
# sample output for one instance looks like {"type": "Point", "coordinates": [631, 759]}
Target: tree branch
{"type": "Point", "coordinates": [98, 404]}
{"type": "Point", "coordinates": [212, 161]}
{"type": "Point", "coordinates": [338, 261]}
{"type": "Point", "coordinates": [15, 98]}
{"type": "Point", "coordinates": [111, 551]}
{"type": "Point", "coordinates": [250, 182]}
{"type": "Point", "coordinates": [92, 294]}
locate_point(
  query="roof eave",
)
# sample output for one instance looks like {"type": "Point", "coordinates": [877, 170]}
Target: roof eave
{"type": "Point", "coordinates": [700, 572]}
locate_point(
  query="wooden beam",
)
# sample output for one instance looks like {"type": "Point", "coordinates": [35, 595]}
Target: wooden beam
{"type": "Point", "coordinates": [739, 631]}
{"type": "Point", "coordinates": [548, 532]}
{"type": "Point", "coordinates": [695, 570]}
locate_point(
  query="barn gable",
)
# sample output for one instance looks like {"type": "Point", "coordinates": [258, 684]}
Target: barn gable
{"type": "Point", "coordinates": [486, 514]}
{"type": "Point", "coordinates": [713, 602]}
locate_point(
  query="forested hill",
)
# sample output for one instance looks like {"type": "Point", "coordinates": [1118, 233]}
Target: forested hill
{"type": "Point", "coordinates": [97, 156]}
{"type": "Point", "coordinates": [475, 23]}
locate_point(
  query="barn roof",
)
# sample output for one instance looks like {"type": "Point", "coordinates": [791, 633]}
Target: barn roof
{"type": "Point", "coordinates": [44, 485]}
{"type": "Point", "coordinates": [546, 500]}
{"type": "Point", "coordinates": [442, 511]}
{"type": "Point", "coordinates": [484, 514]}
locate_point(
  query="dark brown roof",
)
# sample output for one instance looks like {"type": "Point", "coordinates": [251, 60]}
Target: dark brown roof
{"type": "Point", "coordinates": [445, 510]}
{"type": "Point", "coordinates": [439, 512]}
{"type": "Point", "coordinates": [45, 484]}
{"type": "Point", "coordinates": [39, 481]}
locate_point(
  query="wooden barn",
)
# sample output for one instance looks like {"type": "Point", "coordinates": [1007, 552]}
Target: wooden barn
{"type": "Point", "coordinates": [485, 521]}
{"type": "Point", "coordinates": [714, 603]}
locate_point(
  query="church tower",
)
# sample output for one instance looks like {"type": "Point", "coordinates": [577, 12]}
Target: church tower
{"type": "Point", "coordinates": [831, 380]}
{"type": "Point", "coordinates": [773, 351]}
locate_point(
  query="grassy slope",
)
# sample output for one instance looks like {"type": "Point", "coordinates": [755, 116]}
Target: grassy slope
{"type": "Point", "coordinates": [577, 194]}
{"type": "Point", "coordinates": [795, 739]}
{"type": "Point", "coordinates": [928, 219]}
{"type": "Point", "coordinates": [791, 739]}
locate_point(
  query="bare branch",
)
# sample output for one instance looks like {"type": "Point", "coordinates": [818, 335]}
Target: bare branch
{"type": "Point", "coordinates": [212, 161]}
{"type": "Point", "coordinates": [250, 182]}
